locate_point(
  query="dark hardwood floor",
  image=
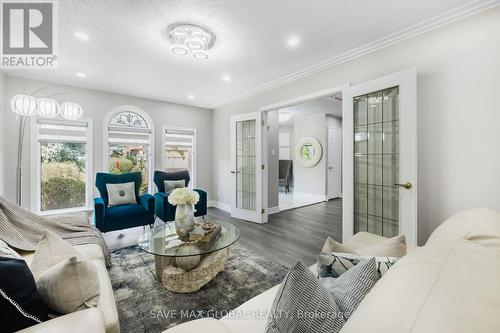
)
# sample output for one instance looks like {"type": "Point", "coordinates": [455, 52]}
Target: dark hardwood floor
{"type": "Point", "coordinates": [289, 235]}
{"type": "Point", "coordinates": [292, 234]}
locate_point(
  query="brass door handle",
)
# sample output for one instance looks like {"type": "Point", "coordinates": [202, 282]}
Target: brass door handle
{"type": "Point", "coordinates": [406, 185]}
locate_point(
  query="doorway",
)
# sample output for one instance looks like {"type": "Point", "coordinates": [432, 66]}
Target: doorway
{"type": "Point", "coordinates": [307, 155]}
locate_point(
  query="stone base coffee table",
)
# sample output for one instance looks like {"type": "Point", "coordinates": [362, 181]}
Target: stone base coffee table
{"type": "Point", "coordinates": [185, 264]}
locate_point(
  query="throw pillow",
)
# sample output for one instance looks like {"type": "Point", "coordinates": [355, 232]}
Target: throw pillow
{"type": "Point", "coordinates": [349, 289]}
{"type": "Point", "coordinates": [302, 304]}
{"type": "Point", "coordinates": [69, 286]}
{"type": "Point", "coordinates": [50, 251]}
{"type": "Point", "coordinates": [171, 185]}
{"type": "Point", "coordinates": [20, 304]}
{"type": "Point", "coordinates": [335, 264]}
{"type": "Point", "coordinates": [121, 194]}
{"type": "Point", "coordinates": [391, 247]}
{"type": "Point", "coordinates": [66, 281]}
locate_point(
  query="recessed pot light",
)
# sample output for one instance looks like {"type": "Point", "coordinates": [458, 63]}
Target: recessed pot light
{"type": "Point", "coordinates": [191, 96]}
{"type": "Point", "coordinates": [80, 74]}
{"type": "Point", "coordinates": [293, 41]}
{"type": "Point", "coordinates": [81, 35]}
{"type": "Point", "coordinates": [226, 77]}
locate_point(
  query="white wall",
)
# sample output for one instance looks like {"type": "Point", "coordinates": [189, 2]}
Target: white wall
{"type": "Point", "coordinates": [458, 114]}
{"type": "Point", "coordinates": [96, 104]}
{"type": "Point", "coordinates": [333, 121]}
{"type": "Point", "coordinates": [3, 110]}
{"type": "Point", "coordinates": [285, 142]}
{"type": "Point", "coordinates": [310, 180]}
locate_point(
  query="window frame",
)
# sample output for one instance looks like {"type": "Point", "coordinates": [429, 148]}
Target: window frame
{"type": "Point", "coordinates": [195, 150]}
{"type": "Point", "coordinates": [150, 126]}
{"type": "Point", "coordinates": [36, 167]}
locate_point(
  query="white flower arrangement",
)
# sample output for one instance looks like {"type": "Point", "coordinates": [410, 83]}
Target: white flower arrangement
{"type": "Point", "coordinates": [183, 196]}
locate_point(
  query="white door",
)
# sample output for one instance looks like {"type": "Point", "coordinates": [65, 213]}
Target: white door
{"type": "Point", "coordinates": [380, 157]}
{"type": "Point", "coordinates": [247, 168]}
{"type": "Point", "coordinates": [334, 163]}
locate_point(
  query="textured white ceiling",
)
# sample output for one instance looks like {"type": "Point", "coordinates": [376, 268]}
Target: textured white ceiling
{"type": "Point", "coordinates": [128, 53]}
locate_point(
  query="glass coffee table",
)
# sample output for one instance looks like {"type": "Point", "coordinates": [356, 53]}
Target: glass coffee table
{"type": "Point", "coordinates": [185, 265]}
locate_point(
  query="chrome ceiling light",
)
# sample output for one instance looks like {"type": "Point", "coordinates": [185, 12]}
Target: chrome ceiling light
{"type": "Point", "coordinates": [190, 39]}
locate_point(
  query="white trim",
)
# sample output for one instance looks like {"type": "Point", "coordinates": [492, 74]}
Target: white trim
{"type": "Point", "coordinates": [259, 215]}
{"type": "Point", "coordinates": [304, 98]}
{"type": "Point", "coordinates": [36, 167]}
{"type": "Point", "coordinates": [195, 150]}
{"type": "Point", "coordinates": [105, 138]}
{"type": "Point", "coordinates": [407, 82]}
{"type": "Point", "coordinates": [219, 205]}
{"type": "Point", "coordinates": [422, 27]}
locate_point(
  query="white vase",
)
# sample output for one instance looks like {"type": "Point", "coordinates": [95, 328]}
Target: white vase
{"type": "Point", "coordinates": [184, 219]}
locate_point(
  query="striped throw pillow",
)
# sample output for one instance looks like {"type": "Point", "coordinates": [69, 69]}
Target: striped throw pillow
{"type": "Point", "coordinates": [349, 289]}
{"type": "Point", "coordinates": [303, 305]}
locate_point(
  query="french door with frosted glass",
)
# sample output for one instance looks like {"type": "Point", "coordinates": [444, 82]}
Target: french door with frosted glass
{"type": "Point", "coordinates": [247, 168]}
{"type": "Point", "coordinates": [380, 157]}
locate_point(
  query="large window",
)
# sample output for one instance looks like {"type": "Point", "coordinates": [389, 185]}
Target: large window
{"type": "Point", "coordinates": [63, 169]}
{"type": "Point", "coordinates": [179, 151]}
{"type": "Point", "coordinates": [129, 143]}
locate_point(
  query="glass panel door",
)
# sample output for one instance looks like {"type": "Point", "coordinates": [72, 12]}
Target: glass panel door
{"type": "Point", "coordinates": [245, 164]}
{"type": "Point", "coordinates": [376, 162]}
{"type": "Point", "coordinates": [248, 198]}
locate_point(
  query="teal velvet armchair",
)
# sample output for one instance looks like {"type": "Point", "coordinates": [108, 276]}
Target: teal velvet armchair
{"type": "Point", "coordinates": [164, 210]}
{"type": "Point", "coordinates": [123, 216]}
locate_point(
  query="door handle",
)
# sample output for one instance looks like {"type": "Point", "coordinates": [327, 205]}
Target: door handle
{"type": "Point", "coordinates": [406, 185]}
{"type": "Point", "coordinates": [330, 168]}
{"type": "Point", "coordinates": [234, 172]}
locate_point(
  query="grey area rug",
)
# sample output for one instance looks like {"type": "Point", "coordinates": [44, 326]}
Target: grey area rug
{"type": "Point", "coordinates": [144, 305]}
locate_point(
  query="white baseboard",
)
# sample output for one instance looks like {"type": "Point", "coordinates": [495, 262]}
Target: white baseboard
{"type": "Point", "coordinates": [220, 205]}
{"type": "Point", "coordinates": [273, 210]}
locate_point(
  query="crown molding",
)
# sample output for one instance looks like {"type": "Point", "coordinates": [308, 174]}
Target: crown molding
{"type": "Point", "coordinates": [433, 23]}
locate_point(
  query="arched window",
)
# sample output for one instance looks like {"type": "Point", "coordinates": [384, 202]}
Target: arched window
{"type": "Point", "coordinates": [129, 142]}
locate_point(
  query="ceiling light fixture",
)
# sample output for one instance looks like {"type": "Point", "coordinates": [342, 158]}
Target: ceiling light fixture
{"type": "Point", "coordinates": [293, 41]}
{"type": "Point", "coordinates": [190, 39]}
{"type": "Point", "coordinates": [226, 77]}
{"type": "Point", "coordinates": [80, 74]}
{"type": "Point", "coordinates": [191, 96]}
{"type": "Point", "coordinates": [81, 35]}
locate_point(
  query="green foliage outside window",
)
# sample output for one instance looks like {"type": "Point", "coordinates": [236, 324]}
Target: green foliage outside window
{"type": "Point", "coordinates": [63, 175]}
{"type": "Point", "coordinates": [129, 158]}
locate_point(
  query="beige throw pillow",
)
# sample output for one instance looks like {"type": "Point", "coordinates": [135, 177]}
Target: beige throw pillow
{"type": "Point", "coordinates": [66, 281]}
{"type": "Point", "coordinates": [50, 251]}
{"type": "Point", "coordinates": [171, 185]}
{"type": "Point", "coordinates": [121, 194]}
{"type": "Point", "coordinates": [391, 247]}
{"type": "Point", "coordinates": [69, 286]}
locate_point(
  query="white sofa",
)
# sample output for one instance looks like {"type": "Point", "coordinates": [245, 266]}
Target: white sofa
{"type": "Point", "coordinates": [103, 319]}
{"type": "Point", "coordinates": [452, 284]}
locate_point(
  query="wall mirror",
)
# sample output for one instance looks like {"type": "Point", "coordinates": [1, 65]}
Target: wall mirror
{"type": "Point", "coordinates": [308, 152]}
